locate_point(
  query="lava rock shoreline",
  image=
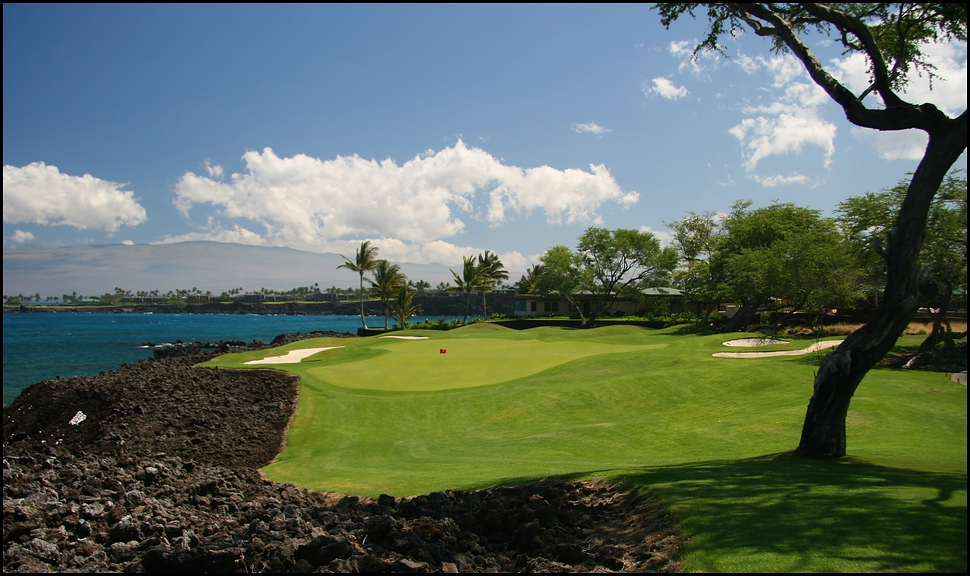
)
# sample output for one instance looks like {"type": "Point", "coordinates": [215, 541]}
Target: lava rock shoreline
{"type": "Point", "coordinates": [162, 474]}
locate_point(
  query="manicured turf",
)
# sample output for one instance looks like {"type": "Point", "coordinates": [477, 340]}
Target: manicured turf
{"type": "Point", "coordinates": [655, 410]}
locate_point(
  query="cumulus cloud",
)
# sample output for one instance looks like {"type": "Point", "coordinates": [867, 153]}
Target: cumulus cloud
{"type": "Point", "coordinates": [779, 180]}
{"type": "Point", "coordinates": [664, 87]}
{"type": "Point", "coordinates": [320, 205]}
{"type": "Point", "coordinates": [788, 122]}
{"type": "Point", "coordinates": [591, 127]}
{"type": "Point", "coordinates": [19, 237]}
{"type": "Point", "coordinates": [127, 242]}
{"type": "Point", "coordinates": [41, 194]}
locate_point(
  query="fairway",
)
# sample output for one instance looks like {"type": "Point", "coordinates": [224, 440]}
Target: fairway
{"type": "Point", "coordinates": [656, 410]}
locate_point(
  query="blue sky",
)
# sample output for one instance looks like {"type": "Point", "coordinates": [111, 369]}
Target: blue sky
{"type": "Point", "coordinates": [432, 131]}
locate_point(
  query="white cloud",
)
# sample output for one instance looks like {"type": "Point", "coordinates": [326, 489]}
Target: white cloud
{"type": "Point", "coordinates": [127, 243]}
{"type": "Point", "coordinates": [591, 127]}
{"type": "Point", "coordinates": [779, 180]}
{"type": "Point", "coordinates": [901, 145]}
{"type": "Point", "coordinates": [331, 205]}
{"type": "Point", "coordinates": [664, 87]}
{"type": "Point", "coordinates": [40, 194]}
{"type": "Point", "coordinates": [214, 170]}
{"type": "Point", "coordinates": [788, 122]}
{"type": "Point", "coordinates": [683, 50]}
{"type": "Point", "coordinates": [786, 132]}
{"type": "Point", "coordinates": [216, 233]}
{"type": "Point", "coordinates": [19, 237]}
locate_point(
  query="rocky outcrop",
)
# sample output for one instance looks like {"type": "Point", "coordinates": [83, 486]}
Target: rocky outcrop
{"type": "Point", "coordinates": [154, 467]}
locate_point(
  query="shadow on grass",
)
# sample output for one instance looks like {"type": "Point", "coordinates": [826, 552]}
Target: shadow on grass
{"type": "Point", "coordinates": [812, 515]}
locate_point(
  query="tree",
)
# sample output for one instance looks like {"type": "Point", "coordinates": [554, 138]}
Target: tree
{"type": "Point", "coordinates": [404, 306]}
{"type": "Point", "coordinates": [782, 256]}
{"type": "Point", "coordinates": [364, 261]}
{"type": "Point", "coordinates": [622, 259]}
{"type": "Point", "coordinates": [891, 37]}
{"type": "Point", "coordinates": [527, 283]}
{"type": "Point", "coordinates": [869, 218]}
{"type": "Point", "coordinates": [467, 282]}
{"type": "Point", "coordinates": [385, 285]}
{"type": "Point", "coordinates": [696, 238]}
{"type": "Point", "coordinates": [561, 272]}
{"type": "Point", "coordinates": [491, 271]}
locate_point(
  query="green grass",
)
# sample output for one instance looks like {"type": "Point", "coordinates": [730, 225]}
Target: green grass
{"type": "Point", "coordinates": [652, 408]}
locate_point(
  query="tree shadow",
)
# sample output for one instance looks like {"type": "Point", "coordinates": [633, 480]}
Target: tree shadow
{"type": "Point", "coordinates": [847, 510]}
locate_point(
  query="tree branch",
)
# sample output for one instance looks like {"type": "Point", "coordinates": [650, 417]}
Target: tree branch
{"type": "Point", "coordinates": [901, 116]}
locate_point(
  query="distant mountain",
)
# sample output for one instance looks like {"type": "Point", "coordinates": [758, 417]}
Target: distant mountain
{"type": "Point", "coordinates": [214, 266]}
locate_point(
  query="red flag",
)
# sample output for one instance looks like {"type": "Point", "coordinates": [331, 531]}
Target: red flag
{"type": "Point", "coordinates": [443, 350]}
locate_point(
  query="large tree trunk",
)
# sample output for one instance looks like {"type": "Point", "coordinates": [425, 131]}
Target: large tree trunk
{"type": "Point", "coordinates": [823, 433]}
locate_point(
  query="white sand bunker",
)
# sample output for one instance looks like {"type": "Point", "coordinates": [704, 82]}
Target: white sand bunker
{"type": "Point", "coordinates": [754, 342]}
{"type": "Point", "coordinates": [406, 337]}
{"type": "Point", "coordinates": [813, 348]}
{"type": "Point", "coordinates": [291, 357]}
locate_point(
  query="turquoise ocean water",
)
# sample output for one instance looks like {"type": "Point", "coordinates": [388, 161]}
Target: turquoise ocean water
{"type": "Point", "coordinates": [41, 346]}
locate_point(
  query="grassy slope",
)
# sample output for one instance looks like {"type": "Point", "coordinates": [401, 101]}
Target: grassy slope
{"type": "Point", "coordinates": [654, 409]}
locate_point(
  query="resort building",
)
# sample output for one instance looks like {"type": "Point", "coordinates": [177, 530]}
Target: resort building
{"type": "Point", "coordinates": [533, 305]}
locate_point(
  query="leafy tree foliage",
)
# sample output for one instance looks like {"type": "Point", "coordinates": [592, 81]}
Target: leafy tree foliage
{"type": "Point", "coordinates": [404, 306]}
{"type": "Point", "coordinates": [622, 261]}
{"type": "Point", "coordinates": [892, 38]}
{"type": "Point", "coordinates": [696, 240]}
{"type": "Point", "coordinates": [491, 272]}
{"type": "Point", "coordinates": [606, 264]}
{"type": "Point", "coordinates": [387, 281]}
{"type": "Point", "coordinates": [561, 272]}
{"type": "Point", "coordinates": [782, 254]}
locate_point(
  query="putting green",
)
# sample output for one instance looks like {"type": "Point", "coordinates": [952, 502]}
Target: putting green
{"type": "Point", "coordinates": [420, 365]}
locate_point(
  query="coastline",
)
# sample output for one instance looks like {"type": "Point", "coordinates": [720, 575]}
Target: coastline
{"type": "Point", "coordinates": [431, 305]}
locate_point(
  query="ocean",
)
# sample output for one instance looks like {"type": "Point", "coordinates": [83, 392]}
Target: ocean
{"type": "Point", "coordinates": [43, 345]}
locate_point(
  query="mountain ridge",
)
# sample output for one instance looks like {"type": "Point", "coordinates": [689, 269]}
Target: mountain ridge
{"type": "Point", "coordinates": [207, 265]}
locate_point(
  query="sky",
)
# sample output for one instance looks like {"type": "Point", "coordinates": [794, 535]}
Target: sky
{"type": "Point", "coordinates": [432, 131]}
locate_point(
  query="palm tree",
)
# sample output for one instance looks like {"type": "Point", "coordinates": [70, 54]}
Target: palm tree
{"type": "Point", "coordinates": [404, 306]}
{"type": "Point", "coordinates": [491, 271]}
{"type": "Point", "coordinates": [467, 282]}
{"type": "Point", "coordinates": [365, 260]}
{"type": "Point", "coordinates": [387, 280]}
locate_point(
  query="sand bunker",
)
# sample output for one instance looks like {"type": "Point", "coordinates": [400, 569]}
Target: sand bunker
{"type": "Point", "coordinates": [754, 342]}
{"type": "Point", "coordinates": [291, 357]}
{"type": "Point", "coordinates": [406, 337]}
{"type": "Point", "coordinates": [813, 348]}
